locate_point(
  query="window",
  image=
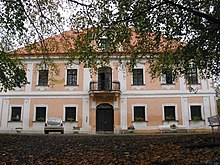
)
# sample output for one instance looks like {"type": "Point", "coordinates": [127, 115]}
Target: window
{"type": "Point", "coordinates": [43, 78]}
{"type": "Point", "coordinates": [169, 113]}
{"type": "Point", "coordinates": [193, 76]}
{"type": "Point", "coordinates": [71, 76]}
{"type": "Point", "coordinates": [70, 113]}
{"type": "Point", "coordinates": [105, 78]}
{"type": "Point", "coordinates": [104, 44]}
{"type": "Point", "coordinates": [40, 114]}
{"type": "Point", "coordinates": [196, 113]}
{"type": "Point", "coordinates": [138, 77]}
{"type": "Point", "coordinates": [167, 77]}
{"type": "Point", "coordinates": [139, 113]}
{"type": "Point", "coordinates": [15, 113]}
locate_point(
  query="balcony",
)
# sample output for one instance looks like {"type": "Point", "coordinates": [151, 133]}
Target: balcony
{"type": "Point", "coordinates": [104, 87]}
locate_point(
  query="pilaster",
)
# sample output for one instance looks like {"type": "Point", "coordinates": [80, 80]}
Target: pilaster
{"type": "Point", "coordinates": [26, 114]}
{"type": "Point", "coordinates": [185, 111]}
{"type": "Point", "coordinates": [4, 121]}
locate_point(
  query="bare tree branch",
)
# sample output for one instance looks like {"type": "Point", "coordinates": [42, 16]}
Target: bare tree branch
{"type": "Point", "coordinates": [78, 3]}
{"type": "Point", "coordinates": [32, 23]}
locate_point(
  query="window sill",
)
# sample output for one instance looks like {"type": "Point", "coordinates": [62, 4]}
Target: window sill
{"type": "Point", "coordinates": [41, 88]}
{"type": "Point", "coordinates": [138, 87]}
{"type": "Point", "coordinates": [170, 120]}
{"type": "Point", "coordinates": [38, 121]}
{"type": "Point", "coordinates": [42, 85]}
{"type": "Point", "coordinates": [196, 120]}
{"type": "Point", "coordinates": [70, 121]}
{"type": "Point", "coordinates": [71, 85]}
{"type": "Point", "coordinates": [15, 121]}
{"type": "Point", "coordinates": [139, 121]}
{"type": "Point", "coordinates": [20, 89]}
{"type": "Point", "coordinates": [137, 84]}
{"type": "Point", "coordinates": [194, 84]}
{"type": "Point", "coordinates": [168, 86]}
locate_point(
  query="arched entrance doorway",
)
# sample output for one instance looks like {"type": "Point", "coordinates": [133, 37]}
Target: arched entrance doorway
{"type": "Point", "coordinates": [104, 118]}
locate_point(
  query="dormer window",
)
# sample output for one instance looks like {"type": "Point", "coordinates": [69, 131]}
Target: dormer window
{"type": "Point", "coordinates": [103, 43]}
{"type": "Point", "coordinates": [193, 78]}
{"type": "Point", "coordinates": [193, 75]}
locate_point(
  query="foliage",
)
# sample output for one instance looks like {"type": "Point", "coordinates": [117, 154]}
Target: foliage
{"type": "Point", "coordinates": [170, 118]}
{"type": "Point", "coordinates": [173, 126]}
{"type": "Point", "coordinates": [41, 119]}
{"type": "Point", "coordinates": [12, 72]}
{"type": "Point", "coordinates": [71, 119]}
{"type": "Point", "coordinates": [218, 105]}
{"type": "Point", "coordinates": [139, 119]}
{"type": "Point", "coordinates": [196, 118]}
{"type": "Point", "coordinates": [131, 127]}
{"type": "Point", "coordinates": [23, 23]}
{"type": "Point", "coordinates": [171, 35]}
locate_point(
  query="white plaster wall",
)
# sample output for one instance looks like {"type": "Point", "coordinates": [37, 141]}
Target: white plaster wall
{"type": "Point", "coordinates": [204, 84]}
{"type": "Point", "coordinates": [124, 112]}
{"type": "Point", "coordinates": [1, 110]}
{"type": "Point", "coordinates": [197, 125]}
{"type": "Point", "coordinates": [26, 114]}
{"type": "Point", "coordinates": [207, 112]}
{"type": "Point", "coordinates": [213, 103]}
{"type": "Point", "coordinates": [185, 112]}
{"type": "Point", "coordinates": [140, 125]}
{"type": "Point", "coordinates": [182, 84]}
{"type": "Point", "coordinates": [86, 80]}
{"type": "Point", "coordinates": [30, 70]}
{"type": "Point", "coordinates": [85, 115]}
{"type": "Point", "coordinates": [38, 126]}
{"type": "Point", "coordinates": [68, 126]}
{"type": "Point", "coordinates": [12, 125]}
{"type": "Point", "coordinates": [122, 77]}
{"type": "Point", "coordinates": [4, 121]}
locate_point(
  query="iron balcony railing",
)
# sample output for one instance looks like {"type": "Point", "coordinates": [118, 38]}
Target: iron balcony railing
{"type": "Point", "coordinates": [104, 86]}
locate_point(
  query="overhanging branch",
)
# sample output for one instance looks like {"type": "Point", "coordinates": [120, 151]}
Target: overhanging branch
{"type": "Point", "coordinates": [197, 13]}
{"type": "Point", "coordinates": [78, 3]}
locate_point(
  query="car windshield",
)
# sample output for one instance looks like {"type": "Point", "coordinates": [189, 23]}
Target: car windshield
{"type": "Point", "coordinates": [54, 121]}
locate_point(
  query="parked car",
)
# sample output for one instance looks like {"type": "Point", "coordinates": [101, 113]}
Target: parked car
{"type": "Point", "coordinates": [54, 125]}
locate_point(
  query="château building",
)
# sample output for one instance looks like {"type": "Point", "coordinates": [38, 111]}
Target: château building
{"type": "Point", "coordinates": [109, 100]}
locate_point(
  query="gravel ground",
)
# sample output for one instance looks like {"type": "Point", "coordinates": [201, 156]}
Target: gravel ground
{"type": "Point", "coordinates": [108, 149]}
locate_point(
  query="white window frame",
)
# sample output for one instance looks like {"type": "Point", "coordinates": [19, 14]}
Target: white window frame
{"type": "Point", "coordinates": [70, 105]}
{"type": "Point", "coordinates": [139, 105]}
{"type": "Point", "coordinates": [10, 112]}
{"type": "Point", "coordinates": [40, 105]}
{"type": "Point", "coordinates": [42, 68]}
{"type": "Point", "coordinates": [196, 104]}
{"type": "Point", "coordinates": [38, 77]}
{"type": "Point", "coordinates": [164, 80]}
{"type": "Point", "coordinates": [198, 76]}
{"type": "Point", "coordinates": [100, 44]}
{"type": "Point", "coordinates": [163, 110]}
{"type": "Point", "coordinates": [139, 66]}
{"type": "Point", "coordinates": [77, 72]}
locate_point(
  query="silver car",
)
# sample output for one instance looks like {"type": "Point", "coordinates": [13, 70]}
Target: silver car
{"type": "Point", "coordinates": [54, 125]}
